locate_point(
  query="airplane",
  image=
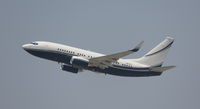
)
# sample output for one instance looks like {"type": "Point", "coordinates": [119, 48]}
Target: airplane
{"type": "Point", "coordinates": [76, 60]}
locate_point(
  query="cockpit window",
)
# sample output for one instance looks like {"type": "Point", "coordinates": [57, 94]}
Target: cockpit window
{"type": "Point", "coordinates": [34, 43]}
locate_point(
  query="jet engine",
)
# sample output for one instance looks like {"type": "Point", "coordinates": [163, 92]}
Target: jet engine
{"type": "Point", "coordinates": [79, 62]}
{"type": "Point", "coordinates": [69, 69]}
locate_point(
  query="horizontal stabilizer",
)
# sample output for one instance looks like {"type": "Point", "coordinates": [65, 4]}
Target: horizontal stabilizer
{"type": "Point", "coordinates": [161, 69]}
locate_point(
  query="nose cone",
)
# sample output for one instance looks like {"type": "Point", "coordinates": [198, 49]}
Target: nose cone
{"type": "Point", "coordinates": [26, 46]}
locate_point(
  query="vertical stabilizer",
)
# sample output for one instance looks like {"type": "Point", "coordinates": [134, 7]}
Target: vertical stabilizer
{"type": "Point", "coordinates": [157, 55]}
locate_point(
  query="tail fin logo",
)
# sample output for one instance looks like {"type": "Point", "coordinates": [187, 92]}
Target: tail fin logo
{"type": "Point", "coordinates": [169, 45]}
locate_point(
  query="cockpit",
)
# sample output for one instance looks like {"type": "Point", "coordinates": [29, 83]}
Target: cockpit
{"type": "Point", "coordinates": [34, 43]}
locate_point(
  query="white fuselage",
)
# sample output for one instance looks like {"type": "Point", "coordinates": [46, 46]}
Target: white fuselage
{"type": "Point", "coordinates": [65, 54]}
{"type": "Point", "coordinates": [68, 50]}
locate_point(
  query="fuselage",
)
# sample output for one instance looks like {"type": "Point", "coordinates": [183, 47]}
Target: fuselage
{"type": "Point", "coordinates": [63, 54]}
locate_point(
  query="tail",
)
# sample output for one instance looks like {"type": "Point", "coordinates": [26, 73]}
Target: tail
{"type": "Point", "coordinates": [157, 55]}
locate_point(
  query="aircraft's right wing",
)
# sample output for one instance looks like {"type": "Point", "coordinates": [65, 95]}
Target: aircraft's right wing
{"type": "Point", "coordinates": [105, 61]}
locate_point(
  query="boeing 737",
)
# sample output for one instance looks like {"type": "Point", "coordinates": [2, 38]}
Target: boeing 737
{"type": "Point", "coordinates": [76, 60]}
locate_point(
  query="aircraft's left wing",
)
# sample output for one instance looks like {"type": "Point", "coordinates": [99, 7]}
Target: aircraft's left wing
{"type": "Point", "coordinates": [105, 61]}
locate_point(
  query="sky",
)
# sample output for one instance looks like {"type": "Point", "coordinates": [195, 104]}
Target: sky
{"type": "Point", "coordinates": [104, 26]}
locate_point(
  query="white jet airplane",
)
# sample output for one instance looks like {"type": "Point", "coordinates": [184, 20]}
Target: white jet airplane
{"type": "Point", "coordinates": [76, 60]}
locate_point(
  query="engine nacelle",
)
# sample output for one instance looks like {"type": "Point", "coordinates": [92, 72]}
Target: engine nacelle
{"type": "Point", "coordinates": [79, 62]}
{"type": "Point", "coordinates": [69, 69]}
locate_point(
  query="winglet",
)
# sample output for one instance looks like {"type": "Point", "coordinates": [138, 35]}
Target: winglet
{"type": "Point", "coordinates": [161, 69]}
{"type": "Point", "coordinates": [137, 47]}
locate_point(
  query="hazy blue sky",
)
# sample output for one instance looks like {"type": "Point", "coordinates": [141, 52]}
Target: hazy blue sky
{"type": "Point", "coordinates": [105, 26]}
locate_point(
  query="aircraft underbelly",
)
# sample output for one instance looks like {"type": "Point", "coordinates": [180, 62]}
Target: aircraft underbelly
{"type": "Point", "coordinates": [131, 73]}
